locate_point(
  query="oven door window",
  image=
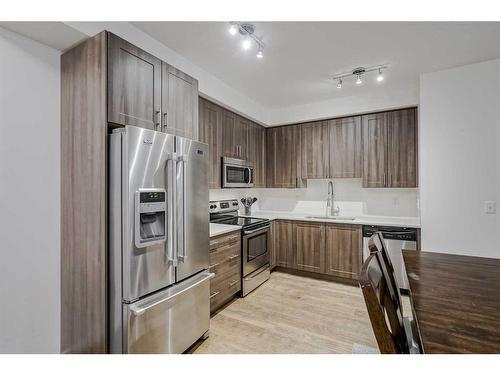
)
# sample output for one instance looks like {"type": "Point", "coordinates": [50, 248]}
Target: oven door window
{"type": "Point", "coordinates": [256, 246]}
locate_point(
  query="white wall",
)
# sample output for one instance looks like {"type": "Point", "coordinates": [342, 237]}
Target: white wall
{"type": "Point", "coordinates": [363, 102]}
{"type": "Point", "coordinates": [349, 195]}
{"type": "Point", "coordinates": [29, 196]}
{"type": "Point", "coordinates": [460, 159]}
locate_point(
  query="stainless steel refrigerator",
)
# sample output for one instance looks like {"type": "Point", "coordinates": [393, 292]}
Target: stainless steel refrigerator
{"type": "Point", "coordinates": [159, 242]}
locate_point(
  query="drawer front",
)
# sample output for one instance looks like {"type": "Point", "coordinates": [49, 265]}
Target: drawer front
{"type": "Point", "coordinates": [223, 289]}
{"type": "Point", "coordinates": [220, 241]}
{"type": "Point", "coordinates": [229, 253]}
{"type": "Point", "coordinates": [225, 263]}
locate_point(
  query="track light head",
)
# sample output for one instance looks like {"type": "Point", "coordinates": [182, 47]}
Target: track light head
{"type": "Point", "coordinates": [359, 81]}
{"type": "Point", "coordinates": [260, 53]}
{"type": "Point", "coordinates": [233, 29]}
{"type": "Point", "coordinates": [380, 76]}
{"type": "Point", "coordinates": [339, 84]}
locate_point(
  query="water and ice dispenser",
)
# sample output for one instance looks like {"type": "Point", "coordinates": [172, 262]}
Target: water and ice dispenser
{"type": "Point", "coordinates": [150, 215]}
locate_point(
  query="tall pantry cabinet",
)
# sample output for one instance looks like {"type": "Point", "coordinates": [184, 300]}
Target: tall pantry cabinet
{"type": "Point", "coordinates": [106, 82]}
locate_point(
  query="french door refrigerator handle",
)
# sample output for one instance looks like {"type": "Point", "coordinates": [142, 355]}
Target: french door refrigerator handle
{"type": "Point", "coordinates": [183, 255]}
{"type": "Point", "coordinates": [172, 241]}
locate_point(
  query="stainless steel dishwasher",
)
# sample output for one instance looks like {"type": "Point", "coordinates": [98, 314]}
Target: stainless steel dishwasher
{"type": "Point", "coordinates": [396, 239]}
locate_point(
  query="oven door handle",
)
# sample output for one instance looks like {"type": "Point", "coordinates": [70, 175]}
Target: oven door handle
{"type": "Point", "coordinates": [256, 230]}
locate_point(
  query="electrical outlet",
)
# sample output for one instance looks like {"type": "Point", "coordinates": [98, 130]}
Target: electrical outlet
{"type": "Point", "coordinates": [490, 207]}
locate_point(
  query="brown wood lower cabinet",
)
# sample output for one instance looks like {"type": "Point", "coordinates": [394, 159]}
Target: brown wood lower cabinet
{"type": "Point", "coordinates": [309, 246]}
{"type": "Point", "coordinates": [283, 243]}
{"type": "Point", "coordinates": [344, 250]}
{"type": "Point", "coordinates": [321, 248]}
{"type": "Point", "coordinates": [225, 262]}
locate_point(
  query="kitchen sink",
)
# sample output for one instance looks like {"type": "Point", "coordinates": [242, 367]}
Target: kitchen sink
{"type": "Point", "coordinates": [332, 217]}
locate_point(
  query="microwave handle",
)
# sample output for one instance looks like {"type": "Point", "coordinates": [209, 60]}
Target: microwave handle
{"type": "Point", "coordinates": [248, 175]}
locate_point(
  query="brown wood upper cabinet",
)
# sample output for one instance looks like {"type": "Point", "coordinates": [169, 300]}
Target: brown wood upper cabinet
{"type": "Point", "coordinates": [179, 103]}
{"type": "Point", "coordinates": [402, 148]}
{"type": "Point", "coordinates": [390, 149]}
{"type": "Point", "coordinates": [283, 157]}
{"type": "Point", "coordinates": [234, 130]}
{"type": "Point", "coordinates": [331, 149]}
{"type": "Point", "coordinates": [345, 148]}
{"type": "Point", "coordinates": [315, 153]}
{"type": "Point", "coordinates": [134, 85]}
{"type": "Point", "coordinates": [144, 91]}
{"type": "Point", "coordinates": [343, 254]}
{"type": "Point", "coordinates": [210, 132]}
{"type": "Point", "coordinates": [256, 145]}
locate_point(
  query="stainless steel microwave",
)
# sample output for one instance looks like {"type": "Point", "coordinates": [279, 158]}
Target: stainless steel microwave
{"type": "Point", "coordinates": [236, 173]}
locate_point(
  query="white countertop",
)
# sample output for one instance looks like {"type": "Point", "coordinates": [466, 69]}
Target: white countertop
{"type": "Point", "coordinates": [409, 222]}
{"type": "Point", "coordinates": [217, 229]}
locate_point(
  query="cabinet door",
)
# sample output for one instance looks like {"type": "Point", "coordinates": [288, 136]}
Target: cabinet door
{"type": "Point", "coordinates": [375, 150]}
{"type": "Point", "coordinates": [314, 150]}
{"type": "Point", "coordinates": [283, 243]}
{"type": "Point", "coordinates": [210, 132]}
{"type": "Point", "coordinates": [256, 153]}
{"type": "Point", "coordinates": [241, 133]}
{"type": "Point", "coordinates": [345, 147]}
{"type": "Point", "coordinates": [134, 85]}
{"type": "Point", "coordinates": [402, 148]}
{"type": "Point", "coordinates": [343, 250]}
{"type": "Point", "coordinates": [309, 246]}
{"type": "Point", "coordinates": [228, 134]}
{"type": "Point", "coordinates": [281, 152]}
{"type": "Point", "coordinates": [179, 103]}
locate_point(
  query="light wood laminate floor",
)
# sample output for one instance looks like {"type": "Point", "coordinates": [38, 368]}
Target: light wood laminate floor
{"type": "Point", "coordinates": [292, 314]}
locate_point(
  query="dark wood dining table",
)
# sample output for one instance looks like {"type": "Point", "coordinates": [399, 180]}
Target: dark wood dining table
{"type": "Point", "coordinates": [455, 301]}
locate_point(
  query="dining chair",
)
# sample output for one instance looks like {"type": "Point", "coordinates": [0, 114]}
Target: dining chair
{"type": "Point", "coordinates": [394, 335]}
{"type": "Point", "coordinates": [376, 244]}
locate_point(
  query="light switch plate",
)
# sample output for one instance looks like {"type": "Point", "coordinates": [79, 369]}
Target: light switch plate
{"type": "Point", "coordinates": [490, 207]}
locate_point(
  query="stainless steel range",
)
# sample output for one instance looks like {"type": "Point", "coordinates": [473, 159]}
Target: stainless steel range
{"type": "Point", "coordinates": [254, 242]}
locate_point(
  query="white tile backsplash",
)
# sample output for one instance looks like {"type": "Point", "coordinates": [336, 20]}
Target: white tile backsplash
{"type": "Point", "coordinates": [349, 196]}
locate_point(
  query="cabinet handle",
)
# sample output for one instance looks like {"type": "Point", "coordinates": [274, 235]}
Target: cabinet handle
{"type": "Point", "coordinates": [390, 180]}
{"type": "Point", "coordinates": [213, 294]}
{"type": "Point", "coordinates": [164, 126]}
{"type": "Point", "coordinates": [214, 265]}
{"type": "Point", "coordinates": [234, 256]}
{"type": "Point", "coordinates": [384, 181]}
{"type": "Point", "coordinates": [233, 283]}
{"type": "Point", "coordinates": [158, 121]}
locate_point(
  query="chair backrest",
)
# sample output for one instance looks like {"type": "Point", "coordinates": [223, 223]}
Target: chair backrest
{"type": "Point", "coordinates": [376, 244]}
{"type": "Point", "coordinates": [385, 314]}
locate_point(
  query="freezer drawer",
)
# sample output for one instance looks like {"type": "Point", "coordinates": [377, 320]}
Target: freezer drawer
{"type": "Point", "coordinates": [169, 321]}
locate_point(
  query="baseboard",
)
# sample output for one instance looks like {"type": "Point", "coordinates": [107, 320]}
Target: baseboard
{"type": "Point", "coordinates": [318, 276]}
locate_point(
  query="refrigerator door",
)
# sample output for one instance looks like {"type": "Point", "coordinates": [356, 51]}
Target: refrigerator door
{"type": "Point", "coordinates": [191, 209]}
{"type": "Point", "coordinates": [146, 267]}
{"type": "Point", "coordinates": [169, 321]}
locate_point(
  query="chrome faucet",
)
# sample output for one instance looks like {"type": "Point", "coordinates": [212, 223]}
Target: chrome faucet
{"type": "Point", "coordinates": [331, 210]}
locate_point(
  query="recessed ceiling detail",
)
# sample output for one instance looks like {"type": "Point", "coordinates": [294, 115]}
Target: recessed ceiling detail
{"type": "Point", "coordinates": [247, 31]}
{"type": "Point", "coordinates": [359, 73]}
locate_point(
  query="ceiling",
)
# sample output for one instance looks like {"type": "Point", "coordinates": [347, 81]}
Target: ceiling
{"type": "Point", "coordinates": [54, 34]}
{"type": "Point", "coordinates": [301, 57]}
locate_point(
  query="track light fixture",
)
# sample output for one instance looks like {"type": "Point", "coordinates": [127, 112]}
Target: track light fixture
{"type": "Point", "coordinates": [359, 74]}
{"type": "Point", "coordinates": [380, 76]}
{"type": "Point", "coordinates": [247, 31]}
